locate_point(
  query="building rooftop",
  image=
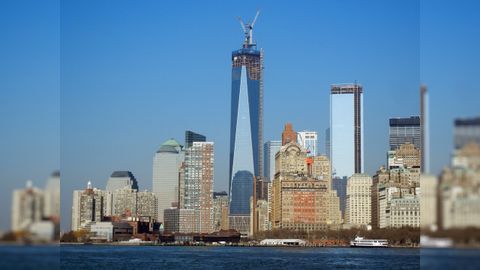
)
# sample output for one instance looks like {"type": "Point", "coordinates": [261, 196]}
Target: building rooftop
{"type": "Point", "coordinates": [122, 174]}
{"type": "Point", "coordinates": [405, 121]}
{"type": "Point", "coordinates": [170, 146]}
{"type": "Point", "coordinates": [475, 121]}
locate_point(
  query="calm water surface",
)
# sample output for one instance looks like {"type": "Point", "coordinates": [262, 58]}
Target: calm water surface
{"type": "Point", "coordinates": [73, 257]}
{"type": "Point", "coordinates": [135, 257]}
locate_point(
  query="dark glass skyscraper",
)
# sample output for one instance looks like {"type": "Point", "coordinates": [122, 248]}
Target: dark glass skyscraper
{"type": "Point", "coordinates": [466, 130]}
{"type": "Point", "coordinates": [405, 130]}
{"type": "Point", "coordinates": [246, 125]}
{"type": "Point", "coordinates": [191, 137]}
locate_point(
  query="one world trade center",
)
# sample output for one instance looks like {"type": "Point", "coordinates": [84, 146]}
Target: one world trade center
{"type": "Point", "coordinates": [246, 126]}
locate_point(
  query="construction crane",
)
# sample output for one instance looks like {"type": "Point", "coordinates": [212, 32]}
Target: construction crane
{"type": "Point", "coordinates": [248, 29]}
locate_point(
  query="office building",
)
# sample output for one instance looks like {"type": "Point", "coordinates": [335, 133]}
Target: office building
{"type": "Point", "coordinates": [340, 186]}
{"type": "Point", "coordinates": [466, 130]}
{"type": "Point", "coordinates": [191, 137]}
{"type": "Point", "coordinates": [405, 211]}
{"type": "Point", "coordinates": [120, 180]}
{"type": "Point", "coordinates": [405, 130]}
{"type": "Point", "coordinates": [166, 166]}
{"type": "Point", "coordinates": [321, 169]}
{"type": "Point", "coordinates": [398, 187]}
{"type": "Point", "coordinates": [334, 214]}
{"type": "Point", "coordinates": [459, 205]}
{"type": "Point", "coordinates": [327, 143]}
{"type": "Point", "coordinates": [220, 211]}
{"type": "Point", "coordinates": [428, 202]}
{"type": "Point", "coordinates": [298, 201]}
{"type": "Point", "coordinates": [270, 148]}
{"type": "Point", "coordinates": [246, 129]}
{"type": "Point", "coordinates": [358, 205]}
{"type": "Point", "coordinates": [405, 156]}
{"type": "Point", "coordinates": [309, 141]}
{"type": "Point", "coordinates": [346, 129]}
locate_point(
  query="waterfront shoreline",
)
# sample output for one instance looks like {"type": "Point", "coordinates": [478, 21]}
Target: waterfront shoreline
{"type": "Point", "coordinates": [233, 245]}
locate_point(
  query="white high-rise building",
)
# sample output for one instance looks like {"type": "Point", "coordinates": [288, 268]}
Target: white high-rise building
{"type": "Point", "coordinates": [89, 206]}
{"type": "Point", "coordinates": [309, 141]}
{"type": "Point", "coordinates": [359, 199]}
{"type": "Point", "coordinates": [166, 166]}
{"type": "Point", "coordinates": [27, 207]}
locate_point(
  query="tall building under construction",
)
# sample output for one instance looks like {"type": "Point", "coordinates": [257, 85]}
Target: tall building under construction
{"type": "Point", "coordinates": [246, 127]}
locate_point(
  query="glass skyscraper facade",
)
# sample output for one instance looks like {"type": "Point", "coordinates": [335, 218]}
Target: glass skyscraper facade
{"type": "Point", "coordinates": [405, 130]}
{"type": "Point", "coordinates": [191, 137]}
{"type": "Point", "coordinates": [246, 124]}
{"type": "Point", "coordinates": [346, 133]}
{"type": "Point", "coordinates": [270, 148]}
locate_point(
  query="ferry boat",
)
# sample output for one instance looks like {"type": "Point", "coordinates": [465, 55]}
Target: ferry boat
{"type": "Point", "coordinates": [362, 242]}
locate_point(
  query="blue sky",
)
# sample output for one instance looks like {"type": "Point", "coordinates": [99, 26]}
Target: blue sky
{"type": "Point", "coordinates": [97, 86]}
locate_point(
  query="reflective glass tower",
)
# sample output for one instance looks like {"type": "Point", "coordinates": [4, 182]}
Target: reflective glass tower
{"type": "Point", "coordinates": [346, 133]}
{"type": "Point", "coordinates": [246, 125]}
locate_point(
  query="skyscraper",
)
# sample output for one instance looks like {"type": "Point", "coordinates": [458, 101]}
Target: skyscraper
{"type": "Point", "coordinates": [191, 137]}
{"type": "Point", "coordinates": [246, 126]}
{"type": "Point", "coordinates": [404, 130]}
{"type": "Point", "coordinates": [166, 166]}
{"type": "Point", "coordinates": [198, 193]}
{"type": "Point", "coordinates": [27, 207]}
{"type": "Point", "coordinates": [346, 129]}
{"type": "Point", "coordinates": [120, 180]}
{"type": "Point", "coordinates": [327, 143]}
{"type": "Point", "coordinates": [270, 148]}
{"type": "Point", "coordinates": [309, 141]}
{"type": "Point", "coordinates": [359, 200]}
{"type": "Point", "coordinates": [466, 130]}
{"type": "Point", "coordinates": [425, 164]}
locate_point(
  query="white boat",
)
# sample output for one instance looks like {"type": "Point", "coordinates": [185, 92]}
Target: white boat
{"type": "Point", "coordinates": [431, 242]}
{"type": "Point", "coordinates": [362, 242]}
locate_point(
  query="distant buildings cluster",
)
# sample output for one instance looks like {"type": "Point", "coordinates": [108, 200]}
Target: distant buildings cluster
{"type": "Point", "coordinates": [452, 201]}
{"type": "Point", "coordinates": [118, 210]}
{"type": "Point", "coordinates": [36, 211]}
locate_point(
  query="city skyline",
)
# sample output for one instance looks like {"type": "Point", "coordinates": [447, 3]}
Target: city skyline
{"type": "Point", "coordinates": [107, 158]}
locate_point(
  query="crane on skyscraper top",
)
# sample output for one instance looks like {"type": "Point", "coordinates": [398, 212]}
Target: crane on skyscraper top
{"type": "Point", "coordinates": [248, 29]}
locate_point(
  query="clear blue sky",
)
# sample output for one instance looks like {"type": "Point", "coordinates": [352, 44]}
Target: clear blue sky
{"type": "Point", "coordinates": [104, 83]}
